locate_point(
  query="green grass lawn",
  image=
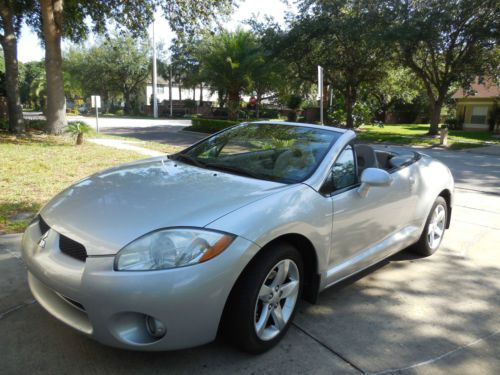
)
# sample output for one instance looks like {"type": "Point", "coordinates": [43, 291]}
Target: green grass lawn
{"type": "Point", "coordinates": [34, 168]}
{"type": "Point", "coordinates": [415, 134]}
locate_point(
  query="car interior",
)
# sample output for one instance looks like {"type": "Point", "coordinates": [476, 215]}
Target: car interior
{"type": "Point", "coordinates": [368, 157]}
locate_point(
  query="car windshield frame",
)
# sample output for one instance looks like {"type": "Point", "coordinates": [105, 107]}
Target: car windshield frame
{"type": "Point", "coordinates": [213, 163]}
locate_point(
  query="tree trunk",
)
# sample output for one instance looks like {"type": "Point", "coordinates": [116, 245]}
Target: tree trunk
{"type": "Point", "coordinates": [233, 104]}
{"type": "Point", "coordinates": [56, 102]}
{"type": "Point", "coordinates": [435, 117]}
{"type": "Point", "coordinates": [350, 100]}
{"type": "Point", "coordinates": [9, 46]}
{"type": "Point", "coordinates": [79, 139]}
{"type": "Point", "coordinates": [201, 94]}
{"type": "Point", "coordinates": [257, 106]}
{"type": "Point", "coordinates": [180, 92]}
{"type": "Point", "coordinates": [348, 111]}
{"type": "Point", "coordinates": [128, 107]}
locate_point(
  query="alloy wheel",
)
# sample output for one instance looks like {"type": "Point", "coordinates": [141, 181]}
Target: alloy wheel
{"type": "Point", "coordinates": [276, 300]}
{"type": "Point", "coordinates": [435, 229]}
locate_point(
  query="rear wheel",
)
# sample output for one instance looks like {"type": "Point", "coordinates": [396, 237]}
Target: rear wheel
{"type": "Point", "coordinates": [433, 233]}
{"type": "Point", "coordinates": [263, 303]}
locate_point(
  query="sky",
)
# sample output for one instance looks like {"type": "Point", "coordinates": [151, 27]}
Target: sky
{"type": "Point", "coordinates": [29, 47]}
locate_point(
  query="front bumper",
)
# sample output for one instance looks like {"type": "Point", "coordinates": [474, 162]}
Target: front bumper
{"type": "Point", "coordinates": [112, 306]}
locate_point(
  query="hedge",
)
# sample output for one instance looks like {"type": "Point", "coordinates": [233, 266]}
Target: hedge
{"type": "Point", "coordinates": [211, 125]}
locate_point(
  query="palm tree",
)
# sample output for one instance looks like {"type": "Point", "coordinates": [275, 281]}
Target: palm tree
{"type": "Point", "coordinates": [228, 60]}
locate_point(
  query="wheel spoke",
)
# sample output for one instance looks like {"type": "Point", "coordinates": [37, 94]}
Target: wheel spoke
{"type": "Point", "coordinates": [282, 273]}
{"type": "Point", "coordinates": [438, 231]}
{"type": "Point", "coordinates": [265, 293]}
{"type": "Point", "coordinates": [277, 314]}
{"type": "Point", "coordinates": [440, 216]}
{"type": "Point", "coordinates": [289, 288]}
{"type": "Point", "coordinates": [263, 319]}
{"type": "Point", "coordinates": [430, 235]}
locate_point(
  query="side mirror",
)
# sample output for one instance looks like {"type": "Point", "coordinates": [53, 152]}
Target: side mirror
{"type": "Point", "coordinates": [373, 177]}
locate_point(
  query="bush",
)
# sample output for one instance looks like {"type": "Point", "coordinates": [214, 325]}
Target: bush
{"type": "Point", "coordinates": [210, 125]}
{"type": "Point", "coordinates": [269, 113]}
{"type": "Point", "coordinates": [189, 103]}
{"type": "Point", "coordinates": [220, 112]}
{"type": "Point", "coordinates": [72, 111]}
{"type": "Point", "coordinates": [453, 123]}
{"type": "Point", "coordinates": [78, 129]}
{"type": "Point", "coordinates": [36, 124]}
{"type": "Point", "coordinates": [294, 102]}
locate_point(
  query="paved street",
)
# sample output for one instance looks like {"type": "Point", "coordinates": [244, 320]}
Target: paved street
{"type": "Point", "coordinates": [407, 315]}
{"type": "Point", "coordinates": [158, 130]}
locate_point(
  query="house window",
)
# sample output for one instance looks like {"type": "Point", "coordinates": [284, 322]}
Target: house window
{"type": "Point", "coordinates": [479, 115]}
{"type": "Point", "coordinates": [160, 89]}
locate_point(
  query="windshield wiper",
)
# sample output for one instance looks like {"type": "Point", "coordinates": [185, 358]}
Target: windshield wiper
{"type": "Point", "coordinates": [187, 159]}
{"type": "Point", "coordinates": [239, 171]}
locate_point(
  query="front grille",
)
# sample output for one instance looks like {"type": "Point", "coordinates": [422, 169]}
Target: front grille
{"type": "Point", "coordinates": [72, 248]}
{"type": "Point", "coordinates": [44, 227]}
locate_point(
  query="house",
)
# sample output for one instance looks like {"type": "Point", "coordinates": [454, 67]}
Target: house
{"type": "Point", "coordinates": [476, 108]}
{"type": "Point", "coordinates": [178, 92]}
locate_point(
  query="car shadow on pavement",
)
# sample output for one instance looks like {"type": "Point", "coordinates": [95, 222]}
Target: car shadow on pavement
{"type": "Point", "coordinates": [407, 311]}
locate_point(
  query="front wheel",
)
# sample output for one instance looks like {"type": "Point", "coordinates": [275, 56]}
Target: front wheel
{"type": "Point", "coordinates": [263, 303]}
{"type": "Point", "coordinates": [433, 233]}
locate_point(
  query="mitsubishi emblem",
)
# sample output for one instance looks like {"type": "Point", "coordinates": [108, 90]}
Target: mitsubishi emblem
{"type": "Point", "coordinates": [41, 243]}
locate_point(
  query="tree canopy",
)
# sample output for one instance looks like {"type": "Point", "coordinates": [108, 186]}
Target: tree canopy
{"type": "Point", "coordinates": [445, 42]}
{"type": "Point", "coordinates": [228, 62]}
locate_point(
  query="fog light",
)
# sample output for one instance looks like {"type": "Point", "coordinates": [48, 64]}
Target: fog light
{"type": "Point", "coordinates": [155, 327]}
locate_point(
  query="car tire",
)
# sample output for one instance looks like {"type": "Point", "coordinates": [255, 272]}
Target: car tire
{"type": "Point", "coordinates": [264, 301]}
{"type": "Point", "coordinates": [434, 229]}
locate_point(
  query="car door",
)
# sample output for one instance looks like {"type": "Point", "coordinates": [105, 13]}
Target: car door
{"type": "Point", "coordinates": [361, 224]}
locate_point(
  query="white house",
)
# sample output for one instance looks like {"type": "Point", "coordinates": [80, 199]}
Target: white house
{"type": "Point", "coordinates": [178, 93]}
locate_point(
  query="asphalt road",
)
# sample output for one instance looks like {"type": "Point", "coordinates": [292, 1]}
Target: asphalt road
{"type": "Point", "coordinates": [407, 315]}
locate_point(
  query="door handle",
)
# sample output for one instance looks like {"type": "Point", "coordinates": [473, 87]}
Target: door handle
{"type": "Point", "coordinates": [411, 180]}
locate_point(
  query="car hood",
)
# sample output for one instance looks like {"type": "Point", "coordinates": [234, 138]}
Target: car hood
{"type": "Point", "coordinates": [108, 210]}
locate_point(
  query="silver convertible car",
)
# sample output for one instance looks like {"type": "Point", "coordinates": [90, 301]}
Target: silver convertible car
{"type": "Point", "coordinates": [226, 236]}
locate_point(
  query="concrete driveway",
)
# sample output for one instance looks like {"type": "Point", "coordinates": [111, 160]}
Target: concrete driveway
{"type": "Point", "coordinates": [407, 315]}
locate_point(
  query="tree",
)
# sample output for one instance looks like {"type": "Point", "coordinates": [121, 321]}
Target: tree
{"type": "Point", "coordinates": [445, 42]}
{"type": "Point", "coordinates": [29, 73]}
{"type": "Point", "coordinates": [11, 17]}
{"type": "Point", "coordinates": [398, 86]}
{"type": "Point", "coordinates": [268, 74]}
{"type": "Point", "coordinates": [120, 64]}
{"type": "Point", "coordinates": [228, 60]}
{"type": "Point", "coordinates": [344, 37]}
{"type": "Point", "coordinates": [74, 19]}
{"type": "Point", "coordinates": [127, 64]}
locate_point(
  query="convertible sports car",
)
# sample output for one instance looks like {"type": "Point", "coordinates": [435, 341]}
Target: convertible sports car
{"type": "Point", "coordinates": [227, 235]}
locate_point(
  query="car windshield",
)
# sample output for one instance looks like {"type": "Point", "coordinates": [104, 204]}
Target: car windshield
{"type": "Point", "coordinates": [277, 152]}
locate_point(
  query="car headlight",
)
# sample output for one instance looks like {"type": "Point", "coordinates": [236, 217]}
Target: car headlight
{"type": "Point", "coordinates": [171, 248]}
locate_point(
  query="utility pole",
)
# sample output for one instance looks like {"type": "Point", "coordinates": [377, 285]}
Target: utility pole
{"type": "Point", "coordinates": [170, 91]}
{"type": "Point", "coordinates": [155, 100]}
{"type": "Point", "coordinates": [320, 93]}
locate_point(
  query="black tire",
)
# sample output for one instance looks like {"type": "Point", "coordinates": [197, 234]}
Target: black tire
{"type": "Point", "coordinates": [422, 247]}
{"type": "Point", "coordinates": [240, 313]}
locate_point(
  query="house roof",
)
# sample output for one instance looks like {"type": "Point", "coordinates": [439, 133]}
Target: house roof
{"type": "Point", "coordinates": [487, 89]}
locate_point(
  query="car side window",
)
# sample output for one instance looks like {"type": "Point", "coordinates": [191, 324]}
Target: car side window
{"type": "Point", "coordinates": [344, 171]}
{"type": "Point", "coordinates": [342, 174]}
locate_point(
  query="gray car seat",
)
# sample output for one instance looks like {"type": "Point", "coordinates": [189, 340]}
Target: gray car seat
{"type": "Point", "coordinates": [366, 157]}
